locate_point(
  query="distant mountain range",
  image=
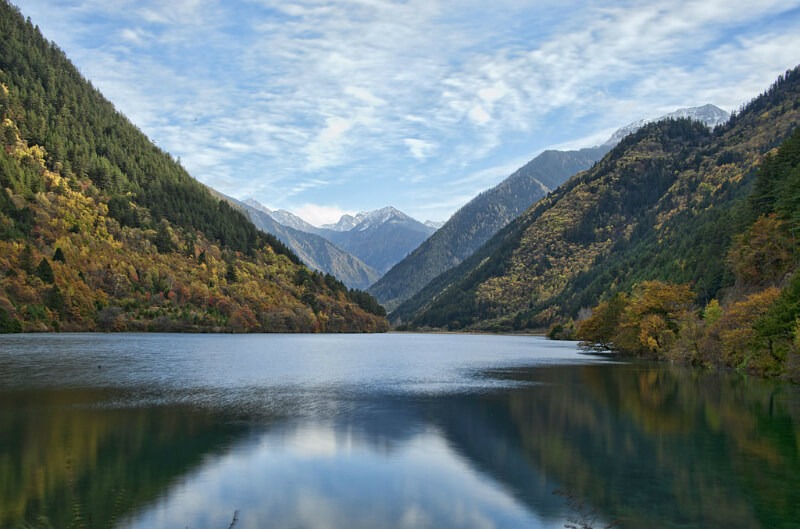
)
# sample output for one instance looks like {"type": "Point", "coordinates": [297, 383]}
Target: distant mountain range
{"type": "Point", "coordinates": [315, 251]}
{"type": "Point", "coordinates": [380, 238]}
{"type": "Point", "coordinates": [357, 249]}
{"type": "Point", "coordinates": [476, 222]}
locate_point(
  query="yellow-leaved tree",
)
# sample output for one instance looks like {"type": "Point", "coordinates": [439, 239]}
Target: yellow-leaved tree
{"type": "Point", "coordinates": [643, 324]}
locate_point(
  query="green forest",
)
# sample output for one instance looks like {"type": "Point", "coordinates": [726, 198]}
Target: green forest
{"type": "Point", "coordinates": [704, 218]}
{"type": "Point", "coordinates": [101, 230]}
{"type": "Point", "coordinates": [756, 327]}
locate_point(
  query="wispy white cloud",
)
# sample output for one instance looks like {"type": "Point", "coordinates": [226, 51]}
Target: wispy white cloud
{"type": "Point", "coordinates": [419, 149]}
{"type": "Point", "coordinates": [318, 215]}
{"type": "Point", "coordinates": [284, 98]}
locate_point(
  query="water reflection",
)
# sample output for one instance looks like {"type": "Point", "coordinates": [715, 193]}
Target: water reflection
{"type": "Point", "coordinates": [651, 445]}
{"type": "Point", "coordinates": [664, 446]}
{"type": "Point", "coordinates": [324, 476]}
{"type": "Point", "coordinates": [65, 462]}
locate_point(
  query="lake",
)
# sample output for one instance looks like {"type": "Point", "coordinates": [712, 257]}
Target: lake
{"type": "Point", "coordinates": [383, 431]}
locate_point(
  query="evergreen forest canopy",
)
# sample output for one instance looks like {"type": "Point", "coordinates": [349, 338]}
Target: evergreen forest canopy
{"type": "Point", "coordinates": [674, 222]}
{"type": "Point", "coordinates": [100, 229]}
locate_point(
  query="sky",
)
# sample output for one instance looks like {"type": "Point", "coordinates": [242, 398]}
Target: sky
{"type": "Point", "coordinates": [330, 107]}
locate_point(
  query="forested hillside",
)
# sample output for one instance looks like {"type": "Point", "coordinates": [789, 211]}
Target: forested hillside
{"type": "Point", "coordinates": [756, 326]}
{"type": "Point", "coordinates": [669, 203]}
{"type": "Point", "coordinates": [478, 220]}
{"type": "Point", "coordinates": [99, 229]}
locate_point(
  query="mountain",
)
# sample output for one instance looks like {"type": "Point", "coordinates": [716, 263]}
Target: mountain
{"type": "Point", "coordinates": [314, 250]}
{"type": "Point", "coordinates": [709, 115]}
{"type": "Point", "coordinates": [478, 220]}
{"type": "Point", "coordinates": [101, 230]}
{"type": "Point", "coordinates": [667, 204]}
{"type": "Point", "coordinates": [380, 238]}
{"type": "Point", "coordinates": [346, 223]}
{"type": "Point", "coordinates": [374, 240]}
{"type": "Point", "coordinates": [435, 224]}
{"type": "Point", "coordinates": [283, 217]}
{"type": "Point", "coordinates": [357, 249]}
{"type": "Point", "coordinates": [490, 211]}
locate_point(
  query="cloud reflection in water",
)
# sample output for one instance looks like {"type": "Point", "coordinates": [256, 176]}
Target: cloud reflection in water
{"type": "Point", "coordinates": [324, 476]}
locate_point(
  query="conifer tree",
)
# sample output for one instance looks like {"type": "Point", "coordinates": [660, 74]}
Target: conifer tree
{"type": "Point", "coordinates": [44, 271]}
{"type": "Point", "coordinates": [26, 259]}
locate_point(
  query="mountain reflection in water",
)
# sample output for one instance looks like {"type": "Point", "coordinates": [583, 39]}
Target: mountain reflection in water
{"type": "Point", "coordinates": [648, 445]}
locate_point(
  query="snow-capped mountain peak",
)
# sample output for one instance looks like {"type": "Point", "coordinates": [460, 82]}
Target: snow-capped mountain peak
{"type": "Point", "coordinates": [369, 219]}
{"type": "Point", "coordinates": [281, 216]}
{"type": "Point", "coordinates": [255, 204]}
{"type": "Point", "coordinates": [291, 220]}
{"type": "Point", "coordinates": [709, 114]}
{"type": "Point", "coordinates": [380, 238]}
{"type": "Point", "coordinates": [346, 223]}
{"type": "Point", "coordinates": [382, 216]}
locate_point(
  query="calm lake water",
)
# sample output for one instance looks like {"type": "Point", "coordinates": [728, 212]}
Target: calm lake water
{"type": "Point", "coordinates": [383, 431]}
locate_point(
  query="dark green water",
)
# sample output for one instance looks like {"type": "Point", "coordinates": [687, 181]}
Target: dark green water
{"type": "Point", "coordinates": [403, 430]}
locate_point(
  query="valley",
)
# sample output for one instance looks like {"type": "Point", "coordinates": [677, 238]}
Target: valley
{"type": "Point", "coordinates": [682, 201]}
{"type": "Point", "coordinates": [418, 264]}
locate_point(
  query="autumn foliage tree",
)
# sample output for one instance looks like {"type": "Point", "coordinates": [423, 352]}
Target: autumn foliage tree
{"type": "Point", "coordinates": [602, 326]}
{"type": "Point", "coordinates": [643, 324]}
{"type": "Point", "coordinates": [763, 254]}
{"type": "Point", "coordinates": [730, 340]}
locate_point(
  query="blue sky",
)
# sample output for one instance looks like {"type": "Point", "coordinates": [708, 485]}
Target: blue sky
{"type": "Point", "coordinates": [326, 107]}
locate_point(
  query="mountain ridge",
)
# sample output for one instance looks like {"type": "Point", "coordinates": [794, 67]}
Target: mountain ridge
{"type": "Point", "coordinates": [708, 114]}
{"type": "Point", "coordinates": [660, 205]}
{"type": "Point", "coordinates": [477, 221]}
{"type": "Point", "coordinates": [283, 217]}
{"type": "Point", "coordinates": [380, 238]}
{"type": "Point", "coordinates": [377, 239]}
{"type": "Point", "coordinates": [494, 208]}
{"type": "Point", "coordinates": [358, 249]}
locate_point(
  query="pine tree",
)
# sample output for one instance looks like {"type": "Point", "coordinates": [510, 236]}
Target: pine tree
{"type": "Point", "coordinates": [26, 259]}
{"type": "Point", "coordinates": [230, 273]}
{"type": "Point", "coordinates": [45, 272]}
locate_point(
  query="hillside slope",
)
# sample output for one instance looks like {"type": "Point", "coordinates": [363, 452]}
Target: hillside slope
{"type": "Point", "coordinates": [483, 216]}
{"type": "Point", "coordinates": [99, 229]}
{"type": "Point", "coordinates": [661, 205]}
{"type": "Point", "coordinates": [478, 220]}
